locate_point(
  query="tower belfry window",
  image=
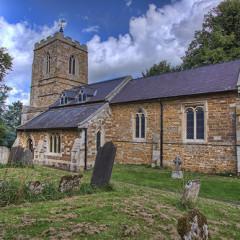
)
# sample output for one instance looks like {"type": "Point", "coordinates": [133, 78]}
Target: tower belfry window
{"type": "Point", "coordinates": [48, 63]}
{"type": "Point", "coordinates": [72, 65]}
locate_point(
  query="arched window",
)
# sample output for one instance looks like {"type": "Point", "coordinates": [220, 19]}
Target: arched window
{"type": "Point", "coordinates": [139, 124]}
{"type": "Point", "coordinates": [195, 123]}
{"type": "Point", "coordinates": [98, 139]}
{"type": "Point", "coordinates": [30, 144]}
{"type": "Point", "coordinates": [72, 65]}
{"type": "Point", "coordinates": [48, 63]}
{"type": "Point", "coordinates": [55, 143]}
{"type": "Point", "coordinates": [63, 99]}
{"type": "Point", "coordinates": [82, 97]}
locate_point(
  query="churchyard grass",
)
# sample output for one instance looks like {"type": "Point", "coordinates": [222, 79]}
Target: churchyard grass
{"type": "Point", "coordinates": [132, 211]}
{"type": "Point", "coordinates": [212, 186]}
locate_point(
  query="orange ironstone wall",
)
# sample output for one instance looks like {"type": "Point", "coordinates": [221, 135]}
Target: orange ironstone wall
{"type": "Point", "coordinates": [217, 154]}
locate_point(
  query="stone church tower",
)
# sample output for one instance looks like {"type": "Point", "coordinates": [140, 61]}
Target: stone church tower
{"type": "Point", "coordinates": [58, 64]}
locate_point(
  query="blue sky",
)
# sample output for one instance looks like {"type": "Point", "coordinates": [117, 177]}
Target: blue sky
{"type": "Point", "coordinates": [124, 37]}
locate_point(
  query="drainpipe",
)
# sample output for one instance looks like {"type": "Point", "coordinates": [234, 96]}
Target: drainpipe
{"type": "Point", "coordinates": [161, 135]}
{"type": "Point", "coordinates": [85, 160]}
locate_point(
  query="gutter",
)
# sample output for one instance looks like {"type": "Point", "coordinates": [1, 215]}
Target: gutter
{"type": "Point", "coordinates": [161, 134]}
{"type": "Point", "coordinates": [161, 137]}
{"type": "Point", "coordinates": [85, 145]}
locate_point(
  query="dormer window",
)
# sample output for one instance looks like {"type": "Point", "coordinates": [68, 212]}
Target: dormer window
{"type": "Point", "coordinates": [63, 99]}
{"type": "Point", "coordinates": [72, 65]}
{"type": "Point", "coordinates": [82, 97]}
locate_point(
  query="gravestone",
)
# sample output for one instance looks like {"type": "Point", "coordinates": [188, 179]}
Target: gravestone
{"type": "Point", "coordinates": [16, 154]}
{"type": "Point", "coordinates": [70, 182]}
{"type": "Point", "coordinates": [4, 154]}
{"type": "Point", "coordinates": [36, 187]}
{"type": "Point", "coordinates": [27, 157]}
{"type": "Point", "coordinates": [193, 226]}
{"type": "Point", "coordinates": [103, 165]}
{"type": "Point", "coordinates": [191, 191]}
{"type": "Point", "coordinates": [177, 173]}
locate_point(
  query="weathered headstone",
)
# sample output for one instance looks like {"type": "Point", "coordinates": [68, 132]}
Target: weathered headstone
{"type": "Point", "coordinates": [27, 157]}
{"type": "Point", "coordinates": [103, 165]}
{"type": "Point", "coordinates": [4, 154]}
{"type": "Point", "coordinates": [70, 182]}
{"type": "Point", "coordinates": [193, 226]}
{"type": "Point", "coordinates": [177, 173]}
{"type": "Point", "coordinates": [16, 154]}
{"type": "Point", "coordinates": [191, 191]}
{"type": "Point", "coordinates": [36, 187]}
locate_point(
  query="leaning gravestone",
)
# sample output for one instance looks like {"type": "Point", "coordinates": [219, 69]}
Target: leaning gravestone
{"type": "Point", "coordinates": [27, 157]}
{"type": "Point", "coordinates": [191, 191]}
{"type": "Point", "coordinates": [103, 165]}
{"type": "Point", "coordinates": [16, 154]}
{"type": "Point", "coordinates": [177, 173]}
{"type": "Point", "coordinates": [193, 226]}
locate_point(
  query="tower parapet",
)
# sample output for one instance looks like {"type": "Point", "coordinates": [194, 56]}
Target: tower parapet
{"type": "Point", "coordinates": [60, 37]}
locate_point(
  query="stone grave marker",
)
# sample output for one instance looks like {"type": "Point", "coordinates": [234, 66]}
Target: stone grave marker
{"type": "Point", "coordinates": [103, 165]}
{"type": "Point", "coordinates": [36, 187]}
{"type": "Point", "coordinates": [193, 226]}
{"type": "Point", "coordinates": [191, 191]}
{"type": "Point", "coordinates": [70, 182]}
{"type": "Point", "coordinates": [177, 173]}
{"type": "Point", "coordinates": [16, 154]}
{"type": "Point", "coordinates": [27, 157]}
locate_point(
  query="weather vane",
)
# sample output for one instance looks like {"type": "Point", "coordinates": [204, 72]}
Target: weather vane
{"type": "Point", "coordinates": [61, 24]}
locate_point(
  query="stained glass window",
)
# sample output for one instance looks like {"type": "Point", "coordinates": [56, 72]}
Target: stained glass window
{"type": "Point", "coordinates": [200, 123]}
{"type": "Point", "coordinates": [140, 125]}
{"type": "Point", "coordinates": [98, 143]}
{"type": "Point", "coordinates": [190, 124]}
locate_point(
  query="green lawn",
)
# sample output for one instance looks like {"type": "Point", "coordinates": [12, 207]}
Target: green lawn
{"type": "Point", "coordinates": [139, 208]}
{"type": "Point", "coordinates": [212, 186]}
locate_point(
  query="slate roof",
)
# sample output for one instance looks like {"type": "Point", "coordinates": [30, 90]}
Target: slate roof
{"type": "Point", "coordinates": [99, 92]}
{"type": "Point", "coordinates": [61, 118]}
{"type": "Point", "coordinates": [207, 79]}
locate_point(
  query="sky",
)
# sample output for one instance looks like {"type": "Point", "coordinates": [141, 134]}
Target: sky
{"type": "Point", "coordinates": [124, 37]}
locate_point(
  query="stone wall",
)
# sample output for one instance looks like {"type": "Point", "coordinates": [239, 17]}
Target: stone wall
{"type": "Point", "coordinates": [4, 153]}
{"type": "Point", "coordinates": [216, 154]}
{"type": "Point", "coordinates": [42, 155]}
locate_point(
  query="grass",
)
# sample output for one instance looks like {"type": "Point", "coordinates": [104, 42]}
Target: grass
{"type": "Point", "coordinates": [212, 186]}
{"type": "Point", "coordinates": [139, 208]}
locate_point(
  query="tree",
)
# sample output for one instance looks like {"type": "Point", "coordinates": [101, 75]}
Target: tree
{"type": "Point", "coordinates": [219, 39]}
{"type": "Point", "coordinates": [12, 119]}
{"type": "Point", "coordinates": [5, 65]}
{"type": "Point", "coordinates": [162, 67]}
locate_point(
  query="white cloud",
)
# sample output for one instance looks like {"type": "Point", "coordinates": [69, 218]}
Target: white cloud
{"type": "Point", "coordinates": [91, 29]}
{"type": "Point", "coordinates": [128, 3]}
{"type": "Point", "coordinates": [19, 39]}
{"type": "Point", "coordinates": [160, 34]}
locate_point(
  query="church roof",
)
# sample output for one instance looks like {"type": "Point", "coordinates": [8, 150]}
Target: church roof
{"type": "Point", "coordinates": [98, 92]}
{"type": "Point", "coordinates": [61, 118]}
{"type": "Point", "coordinates": [206, 79]}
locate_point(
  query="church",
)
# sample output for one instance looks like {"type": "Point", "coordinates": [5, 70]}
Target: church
{"type": "Point", "coordinates": [193, 113]}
